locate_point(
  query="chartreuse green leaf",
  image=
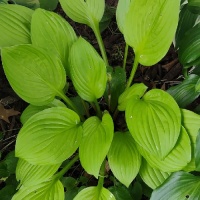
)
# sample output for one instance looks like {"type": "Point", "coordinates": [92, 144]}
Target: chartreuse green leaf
{"type": "Point", "coordinates": [49, 137]}
{"type": "Point", "coordinates": [150, 28]}
{"type": "Point", "coordinates": [29, 174]}
{"type": "Point", "coordinates": [176, 160]}
{"type": "Point", "coordinates": [180, 185]}
{"type": "Point", "coordinates": [124, 158]}
{"type": "Point", "coordinates": [154, 122]}
{"type": "Point", "coordinates": [122, 9]}
{"type": "Point", "coordinates": [137, 90]}
{"type": "Point", "coordinates": [51, 190]}
{"type": "Point", "coordinates": [14, 25]}
{"type": "Point", "coordinates": [32, 110]}
{"type": "Point", "coordinates": [88, 71]}
{"type": "Point", "coordinates": [153, 177]}
{"type": "Point", "coordinates": [87, 12]}
{"type": "Point", "coordinates": [96, 141]}
{"type": "Point", "coordinates": [197, 152]}
{"type": "Point", "coordinates": [92, 193]}
{"type": "Point", "coordinates": [38, 81]}
{"type": "Point", "coordinates": [47, 29]}
{"type": "Point", "coordinates": [191, 122]}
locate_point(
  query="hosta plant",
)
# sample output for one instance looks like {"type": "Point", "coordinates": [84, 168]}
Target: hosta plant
{"type": "Point", "coordinates": [44, 61]}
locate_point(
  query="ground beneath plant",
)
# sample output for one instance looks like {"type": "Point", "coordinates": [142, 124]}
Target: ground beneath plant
{"type": "Point", "coordinates": [166, 73]}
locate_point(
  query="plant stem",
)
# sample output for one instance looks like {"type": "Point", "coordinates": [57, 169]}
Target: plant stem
{"type": "Point", "coordinates": [101, 177]}
{"type": "Point", "coordinates": [135, 66]}
{"type": "Point", "coordinates": [100, 42]}
{"type": "Point", "coordinates": [98, 110]}
{"type": "Point", "coordinates": [125, 56]}
{"type": "Point", "coordinates": [185, 72]}
{"type": "Point", "coordinates": [67, 167]}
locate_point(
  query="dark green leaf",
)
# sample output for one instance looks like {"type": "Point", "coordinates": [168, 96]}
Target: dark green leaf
{"type": "Point", "coordinates": [7, 192]}
{"type": "Point", "coordinates": [197, 152]}
{"type": "Point", "coordinates": [11, 162]}
{"type": "Point", "coordinates": [69, 183]}
{"type": "Point", "coordinates": [136, 191]}
{"type": "Point", "coordinates": [70, 194]}
{"type": "Point", "coordinates": [120, 193]}
{"type": "Point", "coordinates": [194, 6]}
{"type": "Point", "coordinates": [48, 5]}
{"type": "Point", "coordinates": [3, 170]}
{"type": "Point", "coordinates": [186, 92]}
{"type": "Point", "coordinates": [32, 4]}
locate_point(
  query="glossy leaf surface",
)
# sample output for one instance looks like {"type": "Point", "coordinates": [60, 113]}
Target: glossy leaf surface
{"type": "Point", "coordinates": [180, 185]}
{"type": "Point", "coordinates": [29, 174]}
{"type": "Point", "coordinates": [88, 71]}
{"type": "Point", "coordinates": [53, 33]}
{"type": "Point", "coordinates": [37, 82]}
{"type": "Point", "coordinates": [92, 193]}
{"type": "Point", "coordinates": [154, 122]}
{"type": "Point", "coordinates": [150, 28]}
{"type": "Point", "coordinates": [96, 141]}
{"type": "Point", "coordinates": [153, 177]}
{"type": "Point", "coordinates": [50, 190]}
{"type": "Point", "coordinates": [49, 137]}
{"type": "Point", "coordinates": [124, 158]}
{"type": "Point", "coordinates": [176, 160]}
{"type": "Point", "coordinates": [14, 25]}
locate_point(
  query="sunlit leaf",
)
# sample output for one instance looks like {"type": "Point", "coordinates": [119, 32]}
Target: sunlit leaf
{"type": "Point", "coordinates": [88, 70]}
{"type": "Point", "coordinates": [29, 174]}
{"type": "Point", "coordinates": [53, 33]}
{"type": "Point", "coordinates": [153, 177]}
{"type": "Point", "coordinates": [37, 77]}
{"type": "Point", "coordinates": [51, 190]}
{"type": "Point", "coordinates": [49, 137]}
{"type": "Point", "coordinates": [14, 25]}
{"type": "Point", "coordinates": [96, 141]}
{"type": "Point", "coordinates": [154, 122]}
{"type": "Point", "coordinates": [92, 193]}
{"type": "Point", "coordinates": [150, 28]}
{"type": "Point", "coordinates": [124, 158]}
{"type": "Point", "coordinates": [180, 185]}
{"type": "Point", "coordinates": [176, 160]}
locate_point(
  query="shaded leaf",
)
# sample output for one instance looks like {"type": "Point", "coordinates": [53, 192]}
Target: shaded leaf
{"type": "Point", "coordinates": [7, 192]}
{"type": "Point", "coordinates": [150, 28]}
{"type": "Point", "coordinates": [38, 81]}
{"type": "Point", "coordinates": [48, 5]}
{"type": "Point", "coordinates": [49, 137]}
{"type": "Point", "coordinates": [194, 6]}
{"type": "Point", "coordinates": [96, 141]}
{"type": "Point", "coordinates": [197, 152]}
{"type": "Point", "coordinates": [32, 4]}
{"type": "Point", "coordinates": [120, 193]}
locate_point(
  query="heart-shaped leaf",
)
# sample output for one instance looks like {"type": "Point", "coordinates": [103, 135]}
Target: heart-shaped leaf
{"type": "Point", "coordinates": [14, 25]}
{"type": "Point", "coordinates": [150, 28]}
{"type": "Point", "coordinates": [124, 158]}
{"type": "Point", "coordinates": [51, 190]}
{"type": "Point", "coordinates": [47, 29]}
{"type": "Point", "coordinates": [88, 70]}
{"type": "Point", "coordinates": [96, 141]}
{"type": "Point", "coordinates": [38, 81]}
{"type": "Point", "coordinates": [154, 122]}
{"type": "Point", "coordinates": [87, 12]}
{"type": "Point", "coordinates": [191, 122]}
{"type": "Point", "coordinates": [176, 160]}
{"type": "Point", "coordinates": [153, 177]}
{"type": "Point", "coordinates": [92, 193]}
{"type": "Point", "coordinates": [180, 185]}
{"type": "Point", "coordinates": [49, 137]}
{"type": "Point", "coordinates": [29, 174]}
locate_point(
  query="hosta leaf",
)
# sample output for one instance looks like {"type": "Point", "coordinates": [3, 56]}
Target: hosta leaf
{"type": "Point", "coordinates": [124, 158]}
{"type": "Point", "coordinates": [29, 174]}
{"type": "Point", "coordinates": [186, 92]}
{"type": "Point", "coordinates": [32, 110]}
{"type": "Point", "coordinates": [197, 152]}
{"type": "Point", "coordinates": [38, 81]}
{"type": "Point", "coordinates": [154, 122]}
{"type": "Point", "coordinates": [88, 71]}
{"type": "Point", "coordinates": [50, 190]}
{"type": "Point", "coordinates": [48, 5]}
{"type": "Point", "coordinates": [120, 192]}
{"type": "Point", "coordinates": [180, 185]}
{"type": "Point", "coordinates": [32, 4]}
{"type": "Point", "coordinates": [87, 12]}
{"type": "Point", "coordinates": [122, 9]}
{"type": "Point", "coordinates": [150, 28]}
{"type": "Point", "coordinates": [136, 90]}
{"type": "Point", "coordinates": [47, 29]}
{"type": "Point", "coordinates": [194, 6]}
{"type": "Point", "coordinates": [153, 177]}
{"type": "Point", "coordinates": [49, 137]}
{"type": "Point", "coordinates": [14, 25]}
{"type": "Point", "coordinates": [176, 160]}
{"type": "Point", "coordinates": [96, 141]}
{"type": "Point", "coordinates": [189, 49]}
{"type": "Point", "coordinates": [191, 122]}
{"type": "Point", "coordinates": [92, 193]}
